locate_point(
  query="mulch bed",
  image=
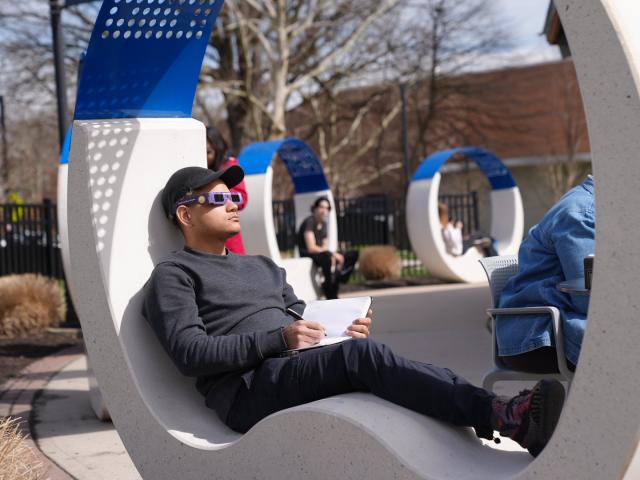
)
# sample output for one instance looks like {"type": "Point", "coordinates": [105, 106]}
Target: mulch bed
{"type": "Point", "coordinates": [17, 353]}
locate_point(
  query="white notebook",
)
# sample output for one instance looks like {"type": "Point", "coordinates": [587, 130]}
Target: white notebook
{"type": "Point", "coordinates": [336, 316]}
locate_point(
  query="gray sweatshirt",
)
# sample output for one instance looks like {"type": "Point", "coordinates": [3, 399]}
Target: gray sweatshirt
{"type": "Point", "coordinates": [218, 317]}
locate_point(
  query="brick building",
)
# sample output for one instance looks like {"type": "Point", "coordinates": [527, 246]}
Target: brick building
{"type": "Point", "coordinates": [531, 117]}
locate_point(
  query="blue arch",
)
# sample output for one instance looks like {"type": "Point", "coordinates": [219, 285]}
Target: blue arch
{"type": "Point", "coordinates": [144, 58]}
{"type": "Point", "coordinates": [496, 172]}
{"type": "Point", "coordinates": [301, 161]}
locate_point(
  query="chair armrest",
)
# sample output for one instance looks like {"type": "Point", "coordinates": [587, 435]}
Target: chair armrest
{"type": "Point", "coordinates": [523, 311]}
{"type": "Point", "coordinates": [557, 330]}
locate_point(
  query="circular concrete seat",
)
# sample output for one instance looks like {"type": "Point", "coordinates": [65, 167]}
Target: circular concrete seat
{"type": "Point", "coordinates": [423, 222]}
{"type": "Point", "coordinates": [117, 231]}
{"type": "Point", "coordinates": [309, 181]}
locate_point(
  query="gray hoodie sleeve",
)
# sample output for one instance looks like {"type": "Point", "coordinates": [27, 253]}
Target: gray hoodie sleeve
{"type": "Point", "coordinates": [171, 310]}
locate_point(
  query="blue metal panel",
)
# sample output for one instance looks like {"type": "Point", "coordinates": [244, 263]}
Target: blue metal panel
{"type": "Point", "coordinates": [301, 161]}
{"type": "Point", "coordinates": [303, 165]}
{"type": "Point", "coordinates": [256, 158]}
{"type": "Point", "coordinates": [496, 172]}
{"type": "Point", "coordinates": [144, 58]}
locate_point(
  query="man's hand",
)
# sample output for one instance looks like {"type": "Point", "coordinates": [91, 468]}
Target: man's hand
{"type": "Point", "coordinates": [360, 326]}
{"type": "Point", "coordinates": [339, 258]}
{"type": "Point", "coordinates": [303, 333]}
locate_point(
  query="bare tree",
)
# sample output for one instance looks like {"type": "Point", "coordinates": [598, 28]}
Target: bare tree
{"type": "Point", "coordinates": [271, 59]}
{"type": "Point", "coordinates": [27, 82]}
{"type": "Point", "coordinates": [433, 43]}
{"type": "Point", "coordinates": [33, 158]}
{"type": "Point", "coordinates": [26, 54]}
{"type": "Point", "coordinates": [270, 54]}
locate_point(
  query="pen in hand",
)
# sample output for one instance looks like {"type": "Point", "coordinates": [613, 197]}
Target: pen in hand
{"type": "Point", "coordinates": [297, 316]}
{"type": "Point", "coordinates": [294, 314]}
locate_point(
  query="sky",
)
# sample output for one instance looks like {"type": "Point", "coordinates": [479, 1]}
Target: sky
{"type": "Point", "coordinates": [525, 20]}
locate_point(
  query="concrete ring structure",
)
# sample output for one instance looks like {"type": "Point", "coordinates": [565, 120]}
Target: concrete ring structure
{"type": "Point", "coordinates": [309, 181]}
{"type": "Point", "coordinates": [117, 231]}
{"type": "Point", "coordinates": [423, 222]}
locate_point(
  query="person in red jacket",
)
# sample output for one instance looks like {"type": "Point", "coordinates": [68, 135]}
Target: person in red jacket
{"type": "Point", "coordinates": [218, 158]}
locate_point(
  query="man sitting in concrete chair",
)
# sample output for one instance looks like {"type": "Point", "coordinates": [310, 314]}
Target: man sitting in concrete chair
{"type": "Point", "coordinates": [553, 252]}
{"type": "Point", "coordinates": [223, 318]}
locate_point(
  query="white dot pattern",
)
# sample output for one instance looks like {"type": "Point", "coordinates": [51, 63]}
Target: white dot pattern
{"type": "Point", "coordinates": [158, 19]}
{"type": "Point", "coordinates": [106, 150]}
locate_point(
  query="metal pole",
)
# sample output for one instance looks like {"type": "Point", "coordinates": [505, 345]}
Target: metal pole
{"type": "Point", "coordinates": [405, 131]}
{"type": "Point", "coordinates": [4, 167]}
{"type": "Point", "coordinates": [58, 57]}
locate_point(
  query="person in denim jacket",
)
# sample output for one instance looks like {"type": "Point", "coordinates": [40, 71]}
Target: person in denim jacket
{"type": "Point", "coordinates": [554, 251]}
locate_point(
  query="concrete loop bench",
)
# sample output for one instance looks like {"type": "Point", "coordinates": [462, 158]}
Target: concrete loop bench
{"type": "Point", "coordinates": [117, 231]}
{"type": "Point", "coordinates": [423, 222]}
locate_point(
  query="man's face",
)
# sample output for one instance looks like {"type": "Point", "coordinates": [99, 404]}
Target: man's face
{"type": "Point", "coordinates": [204, 222]}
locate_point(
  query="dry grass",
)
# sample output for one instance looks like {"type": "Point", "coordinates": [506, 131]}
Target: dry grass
{"type": "Point", "coordinates": [29, 303]}
{"type": "Point", "coordinates": [17, 459]}
{"type": "Point", "coordinates": [380, 262]}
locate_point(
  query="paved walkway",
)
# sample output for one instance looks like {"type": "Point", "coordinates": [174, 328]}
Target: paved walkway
{"type": "Point", "coordinates": [51, 399]}
{"type": "Point", "coordinates": [66, 429]}
{"type": "Point", "coordinates": [18, 395]}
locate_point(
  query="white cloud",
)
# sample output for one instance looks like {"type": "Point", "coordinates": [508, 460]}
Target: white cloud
{"type": "Point", "coordinates": [525, 19]}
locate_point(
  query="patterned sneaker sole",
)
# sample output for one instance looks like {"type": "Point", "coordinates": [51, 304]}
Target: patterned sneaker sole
{"type": "Point", "coordinates": [552, 393]}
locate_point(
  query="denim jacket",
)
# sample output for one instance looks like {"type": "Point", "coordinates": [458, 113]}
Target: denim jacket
{"type": "Point", "coordinates": [552, 252]}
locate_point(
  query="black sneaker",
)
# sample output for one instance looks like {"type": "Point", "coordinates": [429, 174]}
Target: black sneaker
{"type": "Point", "coordinates": [530, 417]}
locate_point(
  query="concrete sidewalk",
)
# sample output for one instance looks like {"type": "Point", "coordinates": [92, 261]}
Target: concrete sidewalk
{"type": "Point", "coordinates": [67, 431]}
{"type": "Point", "coordinates": [50, 398]}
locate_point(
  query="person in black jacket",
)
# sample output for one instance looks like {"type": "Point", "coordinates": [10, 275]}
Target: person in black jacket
{"type": "Point", "coordinates": [233, 322]}
{"type": "Point", "coordinates": [313, 242]}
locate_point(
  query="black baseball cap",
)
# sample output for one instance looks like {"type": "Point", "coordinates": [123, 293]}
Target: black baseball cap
{"type": "Point", "coordinates": [189, 179]}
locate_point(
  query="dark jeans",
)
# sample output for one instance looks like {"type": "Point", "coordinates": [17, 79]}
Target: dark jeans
{"type": "Point", "coordinates": [332, 280]}
{"type": "Point", "coordinates": [360, 365]}
{"type": "Point", "coordinates": [540, 360]}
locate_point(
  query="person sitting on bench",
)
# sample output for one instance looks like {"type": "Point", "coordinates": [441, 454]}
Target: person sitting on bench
{"type": "Point", "coordinates": [223, 318]}
{"type": "Point", "coordinates": [313, 242]}
{"type": "Point", "coordinates": [455, 243]}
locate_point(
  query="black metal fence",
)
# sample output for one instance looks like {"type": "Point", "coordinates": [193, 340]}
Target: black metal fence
{"type": "Point", "coordinates": [463, 207]}
{"type": "Point", "coordinates": [29, 240]}
{"type": "Point", "coordinates": [30, 243]}
{"type": "Point", "coordinates": [375, 220]}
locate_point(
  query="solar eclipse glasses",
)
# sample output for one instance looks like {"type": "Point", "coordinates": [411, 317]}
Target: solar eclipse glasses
{"type": "Point", "coordinates": [212, 198]}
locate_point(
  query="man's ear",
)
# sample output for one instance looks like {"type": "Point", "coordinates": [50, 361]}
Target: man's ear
{"type": "Point", "coordinates": [183, 216]}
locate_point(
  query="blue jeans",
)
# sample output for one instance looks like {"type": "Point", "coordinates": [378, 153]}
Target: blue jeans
{"type": "Point", "coordinates": [360, 365]}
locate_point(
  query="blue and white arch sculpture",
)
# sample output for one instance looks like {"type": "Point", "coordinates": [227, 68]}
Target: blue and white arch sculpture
{"type": "Point", "coordinates": [423, 223]}
{"type": "Point", "coordinates": [95, 397]}
{"type": "Point", "coordinates": [122, 152]}
{"type": "Point", "coordinates": [63, 177]}
{"type": "Point", "coordinates": [309, 181]}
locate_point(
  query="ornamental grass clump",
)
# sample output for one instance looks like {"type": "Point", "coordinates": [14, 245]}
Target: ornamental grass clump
{"type": "Point", "coordinates": [17, 459]}
{"type": "Point", "coordinates": [380, 262]}
{"type": "Point", "coordinates": [29, 304]}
